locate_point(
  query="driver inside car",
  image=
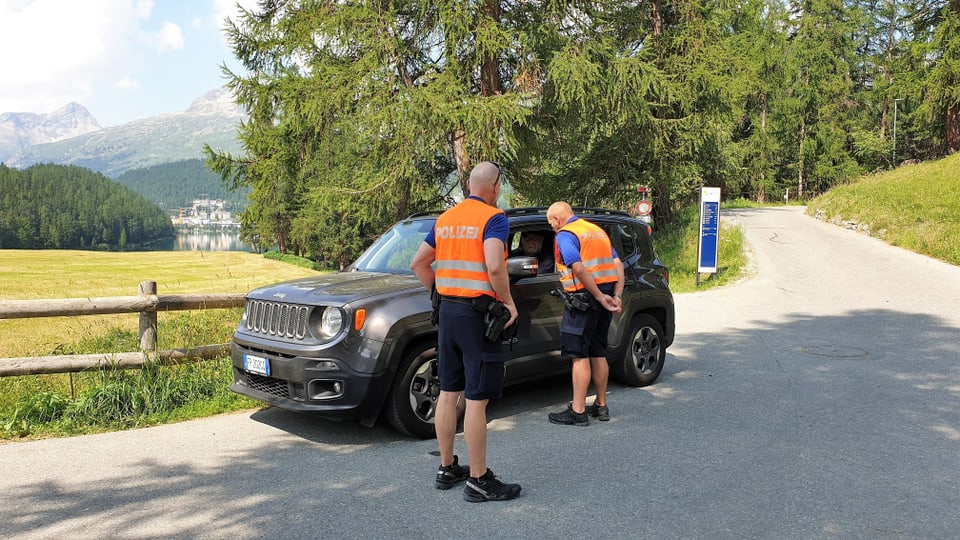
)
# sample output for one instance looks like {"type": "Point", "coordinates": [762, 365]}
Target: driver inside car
{"type": "Point", "coordinates": [531, 245]}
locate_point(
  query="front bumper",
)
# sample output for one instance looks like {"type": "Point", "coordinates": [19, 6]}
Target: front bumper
{"type": "Point", "coordinates": [325, 386]}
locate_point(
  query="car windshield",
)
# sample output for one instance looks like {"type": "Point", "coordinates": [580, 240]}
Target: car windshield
{"type": "Point", "coordinates": [393, 251]}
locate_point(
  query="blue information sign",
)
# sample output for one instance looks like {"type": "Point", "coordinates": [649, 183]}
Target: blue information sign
{"type": "Point", "coordinates": [709, 230]}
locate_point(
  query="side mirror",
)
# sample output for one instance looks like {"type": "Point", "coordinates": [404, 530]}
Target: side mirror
{"type": "Point", "coordinates": [522, 267]}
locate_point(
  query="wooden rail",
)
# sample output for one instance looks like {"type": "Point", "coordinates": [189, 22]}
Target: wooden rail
{"type": "Point", "coordinates": [147, 303]}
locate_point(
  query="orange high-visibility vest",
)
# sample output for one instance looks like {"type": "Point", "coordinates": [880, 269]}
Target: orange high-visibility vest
{"type": "Point", "coordinates": [596, 254]}
{"type": "Point", "coordinates": [461, 265]}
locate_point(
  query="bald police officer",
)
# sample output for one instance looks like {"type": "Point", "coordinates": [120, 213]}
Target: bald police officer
{"type": "Point", "coordinates": [469, 244]}
{"type": "Point", "coordinates": [590, 271]}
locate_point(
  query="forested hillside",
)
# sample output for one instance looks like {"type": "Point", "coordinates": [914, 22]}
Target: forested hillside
{"type": "Point", "coordinates": [176, 184]}
{"type": "Point", "coordinates": [69, 207]}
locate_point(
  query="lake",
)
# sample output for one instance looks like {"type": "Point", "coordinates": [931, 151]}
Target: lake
{"type": "Point", "coordinates": [226, 240]}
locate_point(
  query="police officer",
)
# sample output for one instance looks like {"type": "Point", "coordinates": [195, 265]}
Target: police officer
{"type": "Point", "coordinates": [589, 268]}
{"type": "Point", "coordinates": [469, 244]}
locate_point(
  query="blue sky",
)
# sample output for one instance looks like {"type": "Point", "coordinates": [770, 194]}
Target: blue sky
{"type": "Point", "coordinates": [121, 59]}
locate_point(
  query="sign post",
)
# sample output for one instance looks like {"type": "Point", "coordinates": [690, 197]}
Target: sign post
{"type": "Point", "coordinates": [709, 231]}
{"type": "Point", "coordinates": [644, 207]}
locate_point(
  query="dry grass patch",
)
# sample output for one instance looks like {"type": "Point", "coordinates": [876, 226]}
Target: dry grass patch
{"type": "Point", "coordinates": [52, 274]}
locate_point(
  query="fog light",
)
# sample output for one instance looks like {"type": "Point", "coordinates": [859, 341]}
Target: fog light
{"type": "Point", "coordinates": [325, 389]}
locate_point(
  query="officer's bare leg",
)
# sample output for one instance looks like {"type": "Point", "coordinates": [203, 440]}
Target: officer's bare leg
{"type": "Point", "coordinates": [445, 424]}
{"type": "Point", "coordinates": [475, 433]}
{"type": "Point", "coordinates": [600, 372]}
{"type": "Point", "coordinates": [581, 382]}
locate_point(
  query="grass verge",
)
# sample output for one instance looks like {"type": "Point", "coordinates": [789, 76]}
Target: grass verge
{"type": "Point", "coordinates": [916, 207]}
{"type": "Point", "coordinates": [676, 246]}
{"type": "Point", "coordinates": [67, 404]}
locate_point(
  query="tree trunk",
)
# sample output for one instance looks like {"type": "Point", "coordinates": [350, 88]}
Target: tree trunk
{"type": "Point", "coordinates": [803, 136]}
{"type": "Point", "coordinates": [891, 36]}
{"type": "Point", "coordinates": [951, 135]}
{"type": "Point", "coordinates": [463, 159]}
{"type": "Point", "coordinates": [761, 192]}
{"type": "Point", "coordinates": [656, 18]}
{"type": "Point", "coordinates": [489, 86]}
{"type": "Point", "coordinates": [490, 62]}
{"type": "Point", "coordinates": [404, 186]}
{"type": "Point", "coordinates": [951, 129]}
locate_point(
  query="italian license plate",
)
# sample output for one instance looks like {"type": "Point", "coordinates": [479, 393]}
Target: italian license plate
{"type": "Point", "coordinates": [256, 364]}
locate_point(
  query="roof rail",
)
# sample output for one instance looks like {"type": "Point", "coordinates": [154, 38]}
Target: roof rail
{"type": "Point", "coordinates": [576, 210]}
{"type": "Point", "coordinates": [425, 213]}
{"type": "Point", "coordinates": [599, 211]}
{"type": "Point", "coordinates": [526, 210]}
{"type": "Point", "coordinates": [532, 210]}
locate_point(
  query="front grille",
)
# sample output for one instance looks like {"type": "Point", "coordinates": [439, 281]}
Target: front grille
{"type": "Point", "coordinates": [276, 319]}
{"type": "Point", "coordinates": [276, 387]}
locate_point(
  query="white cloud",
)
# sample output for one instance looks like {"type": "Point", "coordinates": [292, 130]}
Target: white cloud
{"type": "Point", "coordinates": [143, 9]}
{"type": "Point", "coordinates": [55, 50]}
{"type": "Point", "coordinates": [168, 38]}
{"type": "Point", "coordinates": [127, 83]}
{"type": "Point", "coordinates": [122, 59]}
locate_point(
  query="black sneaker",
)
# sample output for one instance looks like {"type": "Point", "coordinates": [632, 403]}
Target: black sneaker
{"type": "Point", "coordinates": [569, 418]}
{"type": "Point", "coordinates": [600, 412]}
{"type": "Point", "coordinates": [489, 488]}
{"type": "Point", "coordinates": [451, 475]}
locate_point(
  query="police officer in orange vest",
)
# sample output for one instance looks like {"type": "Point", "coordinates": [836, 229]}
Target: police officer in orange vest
{"type": "Point", "coordinates": [591, 278]}
{"type": "Point", "coordinates": [469, 244]}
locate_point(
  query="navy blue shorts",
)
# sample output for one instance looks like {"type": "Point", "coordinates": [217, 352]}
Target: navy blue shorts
{"type": "Point", "coordinates": [583, 334]}
{"type": "Point", "coordinates": [466, 360]}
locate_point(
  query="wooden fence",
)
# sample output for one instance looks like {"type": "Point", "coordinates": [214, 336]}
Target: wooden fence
{"type": "Point", "coordinates": [147, 303]}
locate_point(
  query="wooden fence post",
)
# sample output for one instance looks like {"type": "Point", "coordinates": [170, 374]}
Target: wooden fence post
{"type": "Point", "coordinates": [148, 319]}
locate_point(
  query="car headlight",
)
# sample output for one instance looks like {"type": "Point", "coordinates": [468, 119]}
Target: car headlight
{"type": "Point", "coordinates": [331, 322]}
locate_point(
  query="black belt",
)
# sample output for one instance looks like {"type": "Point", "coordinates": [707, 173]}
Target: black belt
{"type": "Point", "coordinates": [480, 303]}
{"type": "Point", "coordinates": [457, 300]}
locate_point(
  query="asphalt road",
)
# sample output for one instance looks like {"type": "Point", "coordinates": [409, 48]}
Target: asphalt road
{"type": "Point", "coordinates": [819, 398]}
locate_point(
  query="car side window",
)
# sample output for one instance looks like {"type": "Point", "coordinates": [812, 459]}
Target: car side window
{"type": "Point", "coordinates": [514, 243]}
{"type": "Point", "coordinates": [627, 241]}
{"type": "Point", "coordinates": [621, 241]}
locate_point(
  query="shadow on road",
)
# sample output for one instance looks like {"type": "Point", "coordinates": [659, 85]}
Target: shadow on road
{"type": "Point", "coordinates": [516, 399]}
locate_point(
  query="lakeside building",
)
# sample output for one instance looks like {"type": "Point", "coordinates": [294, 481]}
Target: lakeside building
{"type": "Point", "coordinates": [204, 213]}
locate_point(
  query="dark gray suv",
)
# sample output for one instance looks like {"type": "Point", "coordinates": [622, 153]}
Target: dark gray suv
{"type": "Point", "coordinates": [359, 344]}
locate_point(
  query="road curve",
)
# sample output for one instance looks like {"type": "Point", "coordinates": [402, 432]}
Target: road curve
{"type": "Point", "coordinates": [817, 398]}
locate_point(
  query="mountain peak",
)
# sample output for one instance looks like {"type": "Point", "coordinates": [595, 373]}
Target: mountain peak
{"type": "Point", "coordinates": [217, 101]}
{"type": "Point", "coordinates": [21, 130]}
{"type": "Point", "coordinates": [211, 119]}
{"type": "Point", "coordinates": [72, 107]}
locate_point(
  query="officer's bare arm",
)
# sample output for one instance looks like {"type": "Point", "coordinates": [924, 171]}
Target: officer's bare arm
{"type": "Point", "coordinates": [585, 277]}
{"type": "Point", "coordinates": [421, 262]}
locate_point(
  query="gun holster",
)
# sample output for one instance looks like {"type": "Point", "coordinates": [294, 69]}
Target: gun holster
{"type": "Point", "coordinates": [435, 302]}
{"type": "Point", "coordinates": [496, 318]}
{"type": "Point", "coordinates": [575, 301]}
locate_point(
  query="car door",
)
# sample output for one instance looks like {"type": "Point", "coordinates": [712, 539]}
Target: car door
{"type": "Point", "coordinates": [537, 346]}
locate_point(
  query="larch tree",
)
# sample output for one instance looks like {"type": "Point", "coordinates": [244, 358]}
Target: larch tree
{"type": "Point", "coordinates": [362, 112]}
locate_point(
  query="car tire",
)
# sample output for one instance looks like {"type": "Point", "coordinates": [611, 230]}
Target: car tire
{"type": "Point", "coordinates": [642, 361]}
{"type": "Point", "coordinates": [412, 405]}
